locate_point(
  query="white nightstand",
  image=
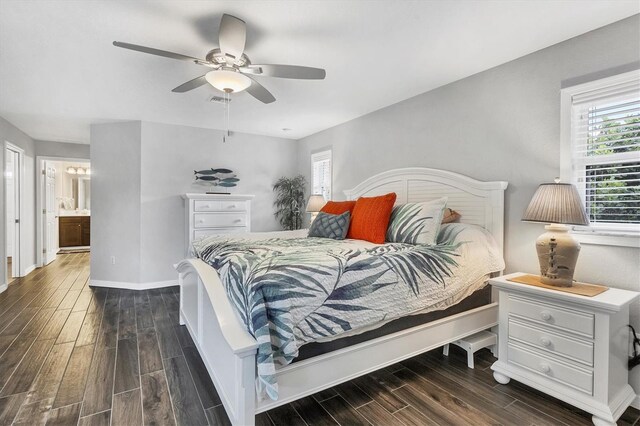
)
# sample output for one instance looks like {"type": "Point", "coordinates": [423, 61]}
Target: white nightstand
{"type": "Point", "coordinates": [572, 347]}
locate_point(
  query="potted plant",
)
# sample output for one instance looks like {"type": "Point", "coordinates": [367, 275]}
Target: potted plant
{"type": "Point", "coordinates": [289, 201]}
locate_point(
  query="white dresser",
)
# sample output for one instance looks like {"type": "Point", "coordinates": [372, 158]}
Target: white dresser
{"type": "Point", "coordinates": [216, 214]}
{"type": "Point", "coordinates": [569, 346]}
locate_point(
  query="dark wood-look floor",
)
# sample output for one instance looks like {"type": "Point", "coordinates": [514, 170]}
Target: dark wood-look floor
{"type": "Point", "coordinates": [71, 354]}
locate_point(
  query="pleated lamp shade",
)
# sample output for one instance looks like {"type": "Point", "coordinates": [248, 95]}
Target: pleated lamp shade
{"type": "Point", "coordinates": [556, 203]}
{"type": "Point", "coordinates": [316, 202]}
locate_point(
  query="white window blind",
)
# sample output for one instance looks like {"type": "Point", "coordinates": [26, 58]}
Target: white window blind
{"type": "Point", "coordinates": [321, 174]}
{"type": "Point", "coordinates": [605, 153]}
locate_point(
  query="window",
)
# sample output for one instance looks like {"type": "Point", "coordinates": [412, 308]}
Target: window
{"type": "Point", "coordinates": [601, 154]}
{"type": "Point", "coordinates": [321, 174]}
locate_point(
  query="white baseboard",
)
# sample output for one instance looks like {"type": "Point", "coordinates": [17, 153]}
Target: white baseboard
{"type": "Point", "coordinates": [29, 270]}
{"type": "Point", "coordinates": [133, 286]}
{"type": "Point", "coordinates": [636, 402]}
{"type": "Point", "coordinates": [3, 287]}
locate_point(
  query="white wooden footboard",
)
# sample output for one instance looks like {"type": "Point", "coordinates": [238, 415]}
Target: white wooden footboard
{"type": "Point", "coordinates": [227, 349]}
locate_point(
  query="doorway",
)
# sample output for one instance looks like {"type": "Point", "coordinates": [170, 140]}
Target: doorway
{"type": "Point", "coordinates": [14, 160]}
{"type": "Point", "coordinates": [64, 197]}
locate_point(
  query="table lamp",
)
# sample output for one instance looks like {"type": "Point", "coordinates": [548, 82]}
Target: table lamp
{"type": "Point", "coordinates": [559, 205]}
{"type": "Point", "coordinates": [315, 203]}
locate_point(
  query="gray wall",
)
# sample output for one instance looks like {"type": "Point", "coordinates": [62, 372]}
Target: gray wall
{"type": "Point", "coordinates": [138, 215]}
{"type": "Point", "coordinates": [501, 124]}
{"type": "Point", "coordinates": [10, 133]}
{"type": "Point", "coordinates": [115, 201]}
{"type": "Point", "coordinates": [62, 149]}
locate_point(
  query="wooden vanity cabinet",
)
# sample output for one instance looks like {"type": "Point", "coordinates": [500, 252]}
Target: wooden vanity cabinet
{"type": "Point", "coordinates": [74, 231]}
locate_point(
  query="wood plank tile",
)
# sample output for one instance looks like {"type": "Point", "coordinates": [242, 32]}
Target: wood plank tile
{"type": "Point", "coordinates": [412, 417]}
{"type": "Point", "coordinates": [167, 340]}
{"type": "Point", "coordinates": [183, 336]}
{"type": "Point", "coordinates": [353, 394]}
{"type": "Point", "coordinates": [127, 376]}
{"type": "Point", "coordinates": [69, 300]}
{"type": "Point", "coordinates": [156, 403]}
{"type": "Point", "coordinates": [530, 415]}
{"type": "Point", "coordinates": [97, 301]}
{"type": "Point", "coordinates": [48, 379]}
{"type": "Point", "coordinates": [54, 325]}
{"type": "Point", "coordinates": [69, 332]}
{"type": "Point", "coordinates": [33, 414]}
{"type": "Point", "coordinates": [98, 392]}
{"type": "Point", "coordinates": [99, 419]}
{"type": "Point", "coordinates": [376, 415]}
{"type": "Point", "coordinates": [150, 358]}
{"type": "Point", "coordinates": [324, 394]}
{"type": "Point", "coordinates": [20, 322]}
{"type": "Point", "coordinates": [73, 382]}
{"type": "Point", "coordinates": [127, 408]}
{"type": "Point", "coordinates": [312, 412]}
{"type": "Point", "coordinates": [9, 407]}
{"type": "Point", "coordinates": [26, 371]}
{"type": "Point", "coordinates": [144, 319]}
{"type": "Point", "coordinates": [430, 407]}
{"type": "Point", "coordinates": [284, 415]}
{"type": "Point", "coordinates": [218, 417]}
{"type": "Point", "coordinates": [127, 323]}
{"type": "Point", "coordinates": [90, 328]}
{"type": "Point", "coordinates": [206, 390]}
{"type": "Point", "coordinates": [83, 301]}
{"type": "Point", "coordinates": [64, 416]}
{"type": "Point", "coordinates": [186, 404]}
{"type": "Point", "coordinates": [344, 413]}
{"type": "Point", "coordinates": [262, 419]}
{"type": "Point", "coordinates": [380, 393]}
{"type": "Point", "coordinates": [108, 334]}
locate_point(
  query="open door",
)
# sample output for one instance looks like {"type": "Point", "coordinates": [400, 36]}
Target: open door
{"type": "Point", "coordinates": [50, 218]}
{"type": "Point", "coordinates": [13, 208]}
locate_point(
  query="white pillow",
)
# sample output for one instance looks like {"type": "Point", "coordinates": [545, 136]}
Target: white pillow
{"type": "Point", "coordinates": [416, 223]}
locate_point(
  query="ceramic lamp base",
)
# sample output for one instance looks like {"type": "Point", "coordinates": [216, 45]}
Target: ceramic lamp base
{"type": "Point", "coordinates": [557, 253]}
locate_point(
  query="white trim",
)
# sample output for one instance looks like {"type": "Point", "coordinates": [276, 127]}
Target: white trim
{"type": "Point", "coordinates": [133, 286]}
{"type": "Point", "coordinates": [21, 210]}
{"type": "Point", "coordinates": [3, 287]}
{"type": "Point", "coordinates": [636, 402]}
{"type": "Point", "coordinates": [30, 269]}
{"type": "Point", "coordinates": [589, 235]}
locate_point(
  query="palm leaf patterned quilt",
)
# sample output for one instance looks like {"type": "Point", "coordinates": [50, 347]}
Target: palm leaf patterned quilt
{"type": "Point", "coordinates": [292, 291]}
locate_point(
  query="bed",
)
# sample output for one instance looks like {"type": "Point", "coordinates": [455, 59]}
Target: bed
{"type": "Point", "coordinates": [230, 352]}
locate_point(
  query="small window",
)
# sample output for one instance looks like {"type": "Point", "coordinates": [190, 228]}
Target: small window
{"type": "Point", "coordinates": [601, 152]}
{"type": "Point", "coordinates": [321, 174]}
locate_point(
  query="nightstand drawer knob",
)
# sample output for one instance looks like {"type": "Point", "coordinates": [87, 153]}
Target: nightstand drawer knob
{"type": "Point", "coordinates": [545, 341]}
{"type": "Point", "coordinates": [545, 315]}
{"type": "Point", "coordinates": [545, 368]}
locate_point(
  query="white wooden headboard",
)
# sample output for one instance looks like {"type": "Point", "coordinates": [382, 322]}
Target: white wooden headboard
{"type": "Point", "coordinates": [479, 203]}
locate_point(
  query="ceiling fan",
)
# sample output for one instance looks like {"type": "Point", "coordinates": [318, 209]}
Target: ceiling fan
{"type": "Point", "coordinates": [231, 69]}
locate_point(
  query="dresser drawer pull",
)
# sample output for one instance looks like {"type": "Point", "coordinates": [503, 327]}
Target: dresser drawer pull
{"type": "Point", "coordinates": [545, 315]}
{"type": "Point", "coordinates": [545, 368]}
{"type": "Point", "coordinates": [207, 206]}
{"type": "Point", "coordinates": [233, 206]}
{"type": "Point", "coordinates": [200, 221]}
{"type": "Point", "coordinates": [545, 341]}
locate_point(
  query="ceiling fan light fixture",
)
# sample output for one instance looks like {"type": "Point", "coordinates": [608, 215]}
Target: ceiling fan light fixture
{"type": "Point", "coordinates": [228, 81]}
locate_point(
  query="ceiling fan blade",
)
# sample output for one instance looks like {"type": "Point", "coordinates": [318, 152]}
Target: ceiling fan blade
{"type": "Point", "coordinates": [287, 71]}
{"type": "Point", "coordinates": [258, 91]}
{"type": "Point", "coordinates": [157, 52]}
{"type": "Point", "coordinates": [232, 36]}
{"type": "Point", "coordinates": [191, 84]}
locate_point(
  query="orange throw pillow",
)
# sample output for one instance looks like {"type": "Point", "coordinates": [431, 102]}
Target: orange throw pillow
{"type": "Point", "coordinates": [338, 207]}
{"type": "Point", "coordinates": [370, 218]}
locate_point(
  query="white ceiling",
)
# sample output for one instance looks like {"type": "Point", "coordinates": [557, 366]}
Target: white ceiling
{"type": "Point", "coordinates": [59, 71]}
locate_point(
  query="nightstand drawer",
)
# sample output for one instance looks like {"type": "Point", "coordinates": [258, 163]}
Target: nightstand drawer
{"type": "Point", "coordinates": [552, 315]}
{"type": "Point", "coordinates": [553, 342]}
{"type": "Point", "coordinates": [219, 206]}
{"type": "Point", "coordinates": [549, 368]}
{"type": "Point", "coordinates": [209, 220]}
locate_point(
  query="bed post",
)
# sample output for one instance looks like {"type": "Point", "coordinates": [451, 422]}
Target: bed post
{"type": "Point", "coordinates": [246, 391]}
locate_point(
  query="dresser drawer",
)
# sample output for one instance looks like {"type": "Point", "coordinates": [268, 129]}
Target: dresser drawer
{"type": "Point", "coordinates": [218, 231]}
{"type": "Point", "coordinates": [581, 380]}
{"type": "Point", "coordinates": [219, 206]}
{"type": "Point", "coordinates": [219, 220]}
{"type": "Point", "coordinates": [569, 320]}
{"type": "Point", "coordinates": [553, 342]}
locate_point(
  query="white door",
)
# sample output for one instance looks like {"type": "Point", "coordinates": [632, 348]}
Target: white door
{"type": "Point", "coordinates": [50, 246]}
{"type": "Point", "coordinates": [12, 209]}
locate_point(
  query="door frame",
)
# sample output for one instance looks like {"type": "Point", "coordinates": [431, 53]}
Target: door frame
{"type": "Point", "coordinates": [40, 173]}
{"type": "Point", "coordinates": [19, 188]}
